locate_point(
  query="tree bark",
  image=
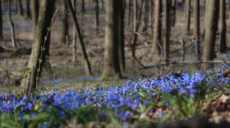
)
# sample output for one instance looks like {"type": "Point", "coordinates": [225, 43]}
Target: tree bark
{"type": "Point", "coordinates": [65, 25]}
{"type": "Point", "coordinates": [223, 47]}
{"type": "Point", "coordinates": [29, 81]}
{"type": "Point", "coordinates": [1, 22]}
{"type": "Point", "coordinates": [135, 15]}
{"type": "Point", "coordinates": [74, 34]}
{"type": "Point", "coordinates": [167, 30]}
{"type": "Point", "coordinates": [121, 16]}
{"type": "Point", "coordinates": [20, 9]}
{"type": "Point", "coordinates": [28, 14]}
{"type": "Point", "coordinates": [188, 5]}
{"type": "Point", "coordinates": [83, 6]}
{"type": "Point", "coordinates": [129, 11]}
{"type": "Point", "coordinates": [96, 20]}
{"type": "Point", "coordinates": [111, 55]}
{"type": "Point", "coordinates": [197, 28]}
{"type": "Point", "coordinates": [145, 15]}
{"type": "Point", "coordinates": [157, 43]}
{"type": "Point", "coordinates": [211, 20]}
{"type": "Point", "coordinates": [173, 13]}
{"type": "Point", "coordinates": [82, 46]}
{"type": "Point", "coordinates": [11, 25]}
{"type": "Point", "coordinates": [35, 11]}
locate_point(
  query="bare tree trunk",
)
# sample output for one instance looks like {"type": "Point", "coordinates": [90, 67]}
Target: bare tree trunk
{"type": "Point", "coordinates": [20, 9]}
{"type": "Point", "coordinates": [197, 28]}
{"type": "Point", "coordinates": [65, 26]}
{"type": "Point", "coordinates": [188, 4]}
{"type": "Point", "coordinates": [135, 15]}
{"type": "Point", "coordinates": [83, 6]}
{"type": "Point", "coordinates": [28, 14]}
{"type": "Point", "coordinates": [211, 20]}
{"type": "Point", "coordinates": [157, 43]}
{"type": "Point", "coordinates": [102, 5]}
{"type": "Point", "coordinates": [1, 31]}
{"type": "Point", "coordinates": [96, 20]}
{"type": "Point", "coordinates": [145, 15]}
{"type": "Point", "coordinates": [74, 35]}
{"type": "Point", "coordinates": [111, 55]}
{"type": "Point", "coordinates": [35, 66]}
{"type": "Point", "coordinates": [11, 25]}
{"type": "Point", "coordinates": [223, 47]}
{"type": "Point", "coordinates": [35, 11]}
{"type": "Point", "coordinates": [167, 29]}
{"type": "Point", "coordinates": [82, 46]}
{"type": "Point", "coordinates": [121, 16]}
{"type": "Point", "coordinates": [173, 13]}
{"type": "Point", "coordinates": [129, 11]}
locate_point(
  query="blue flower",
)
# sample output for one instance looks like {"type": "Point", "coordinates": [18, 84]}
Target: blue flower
{"type": "Point", "coordinates": [33, 115]}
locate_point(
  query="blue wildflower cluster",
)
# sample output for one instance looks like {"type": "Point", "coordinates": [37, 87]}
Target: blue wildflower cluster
{"type": "Point", "coordinates": [122, 100]}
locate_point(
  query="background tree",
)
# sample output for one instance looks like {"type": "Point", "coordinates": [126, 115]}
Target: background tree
{"type": "Point", "coordinates": [135, 14]}
{"type": "Point", "coordinates": [167, 24]}
{"type": "Point", "coordinates": [197, 28]}
{"type": "Point", "coordinates": [32, 72]}
{"type": "Point", "coordinates": [145, 15]}
{"type": "Point", "coordinates": [96, 20]}
{"type": "Point", "coordinates": [1, 22]}
{"type": "Point", "coordinates": [129, 10]}
{"type": "Point", "coordinates": [82, 46]}
{"type": "Point", "coordinates": [64, 36]}
{"type": "Point", "coordinates": [11, 25]}
{"type": "Point", "coordinates": [20, 9]}
{"type": "Point", "coordinates": [111, 55]}
{"type": "Point", "coordinates": [74, 34]}
{"type": "Point", "coordinates": [211, 20]}
{"type": "Point", "coordinates": [173, 19]}
{"type": "Point", "coordinates": [28, 14]}
{"type": "Point", "coordinates": [35, 11]}
{"type": "Point", "coordinates": [223, 47]}
{"type": "Point", "coordinates": [157, 25]}
{"type": "Point", "coordinates": [188, 5]}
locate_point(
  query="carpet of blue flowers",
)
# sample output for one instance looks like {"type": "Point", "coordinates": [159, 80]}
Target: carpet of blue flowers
{"type": "Point", "coordinates": [135, 102]}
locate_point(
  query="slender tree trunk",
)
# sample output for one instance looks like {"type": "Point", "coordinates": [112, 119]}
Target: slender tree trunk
{"type": "Point", "coordinates": [102, 5]}
{"type": "Point", "coordinates": [28, 14]}
{"type": "Point", "coordinates": [157, 43]}
{"type": "Point", "coordinates": [83, 6]}
{"type": "Point", "coordinates": [34, 68]}
{"type": "Point", "coordinates": [129, 11]}
{"type": "Point", "coordinates": [145, 15]}
{"type": "Point", "coordinates": [197, 28]}
{"type": "Point", "coordinates": [65, 25]}
{"type": "Point", "coordinates": [20, 9]}
{"type": "Point", "coordinates": [211, 21]}
{"type": "Point", "coordinates": [135, 15]}
{"type": "Point", "coordinates": [188, 5]}
{"type": "Point", "coordinates": [74, 34]}
{"type": "Point", "coordinates": [173, 13]}
{"type": "Point", "coordinates": [121, 16]}
{"type": "Point", "coordinates": [96, 20]}
{"type": "Point", "coordinates": [223, 47]}
{"type": "Point", "coordinates": [1, 31]}
{"type": "Point", "coordinates": [82, 46]}
{"type": "Point", "coordinates": [11, 25]}
{"type": "Point", "coordinates": [35, 11]}
{"type": "Point", "coordinates": [167, 29]}
{"type": "Point", "coordinates": [111, 55]}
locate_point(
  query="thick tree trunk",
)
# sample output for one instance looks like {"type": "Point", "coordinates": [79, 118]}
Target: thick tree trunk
{"type": "Point", "coordinates": [65, 26]}
{"type": "Point", "coordinates": [145, 15]}
{"type": "Point", "coordinates": [28, 14]}
{"type": "Point", "coordinates": [211, 20]}
{"type": "Point", "coordinates": [223, 47]}
{"type": "Point", "coordinates": [20, 9]}
{"type": "Point", "coordinates": [74, 35]}
{"type": "Point", "coordinates": [11, 25]}
{"type": "Point", "coordinates": [173, 20]}
{"type": "Point", "coordinates": [121, 16]}
{"type": "Point", "coordinates": [188, 5]}
{"type": "Point", "coordinates": [35, 11]}
{"type": "Point", "coordinates": [111, 55]}
{"type": "Point", "coordinates": [96, 20]}
{"type": "Point", "coordinates": [167, 24]}
{"type": "Point", "coordinates": [82, 46]}
{"type": "Point", "coordinates": [1, 31]}
{"type": "Point", "coordinates": [197, 28]}
{"type": "Point", "coordinates": [157, 43]}
{"type": "Point", "coordinates": [34, 69]}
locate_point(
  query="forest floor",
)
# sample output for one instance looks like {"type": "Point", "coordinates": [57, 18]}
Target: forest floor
{"type": "Point", "coordinates": [71, 75]}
